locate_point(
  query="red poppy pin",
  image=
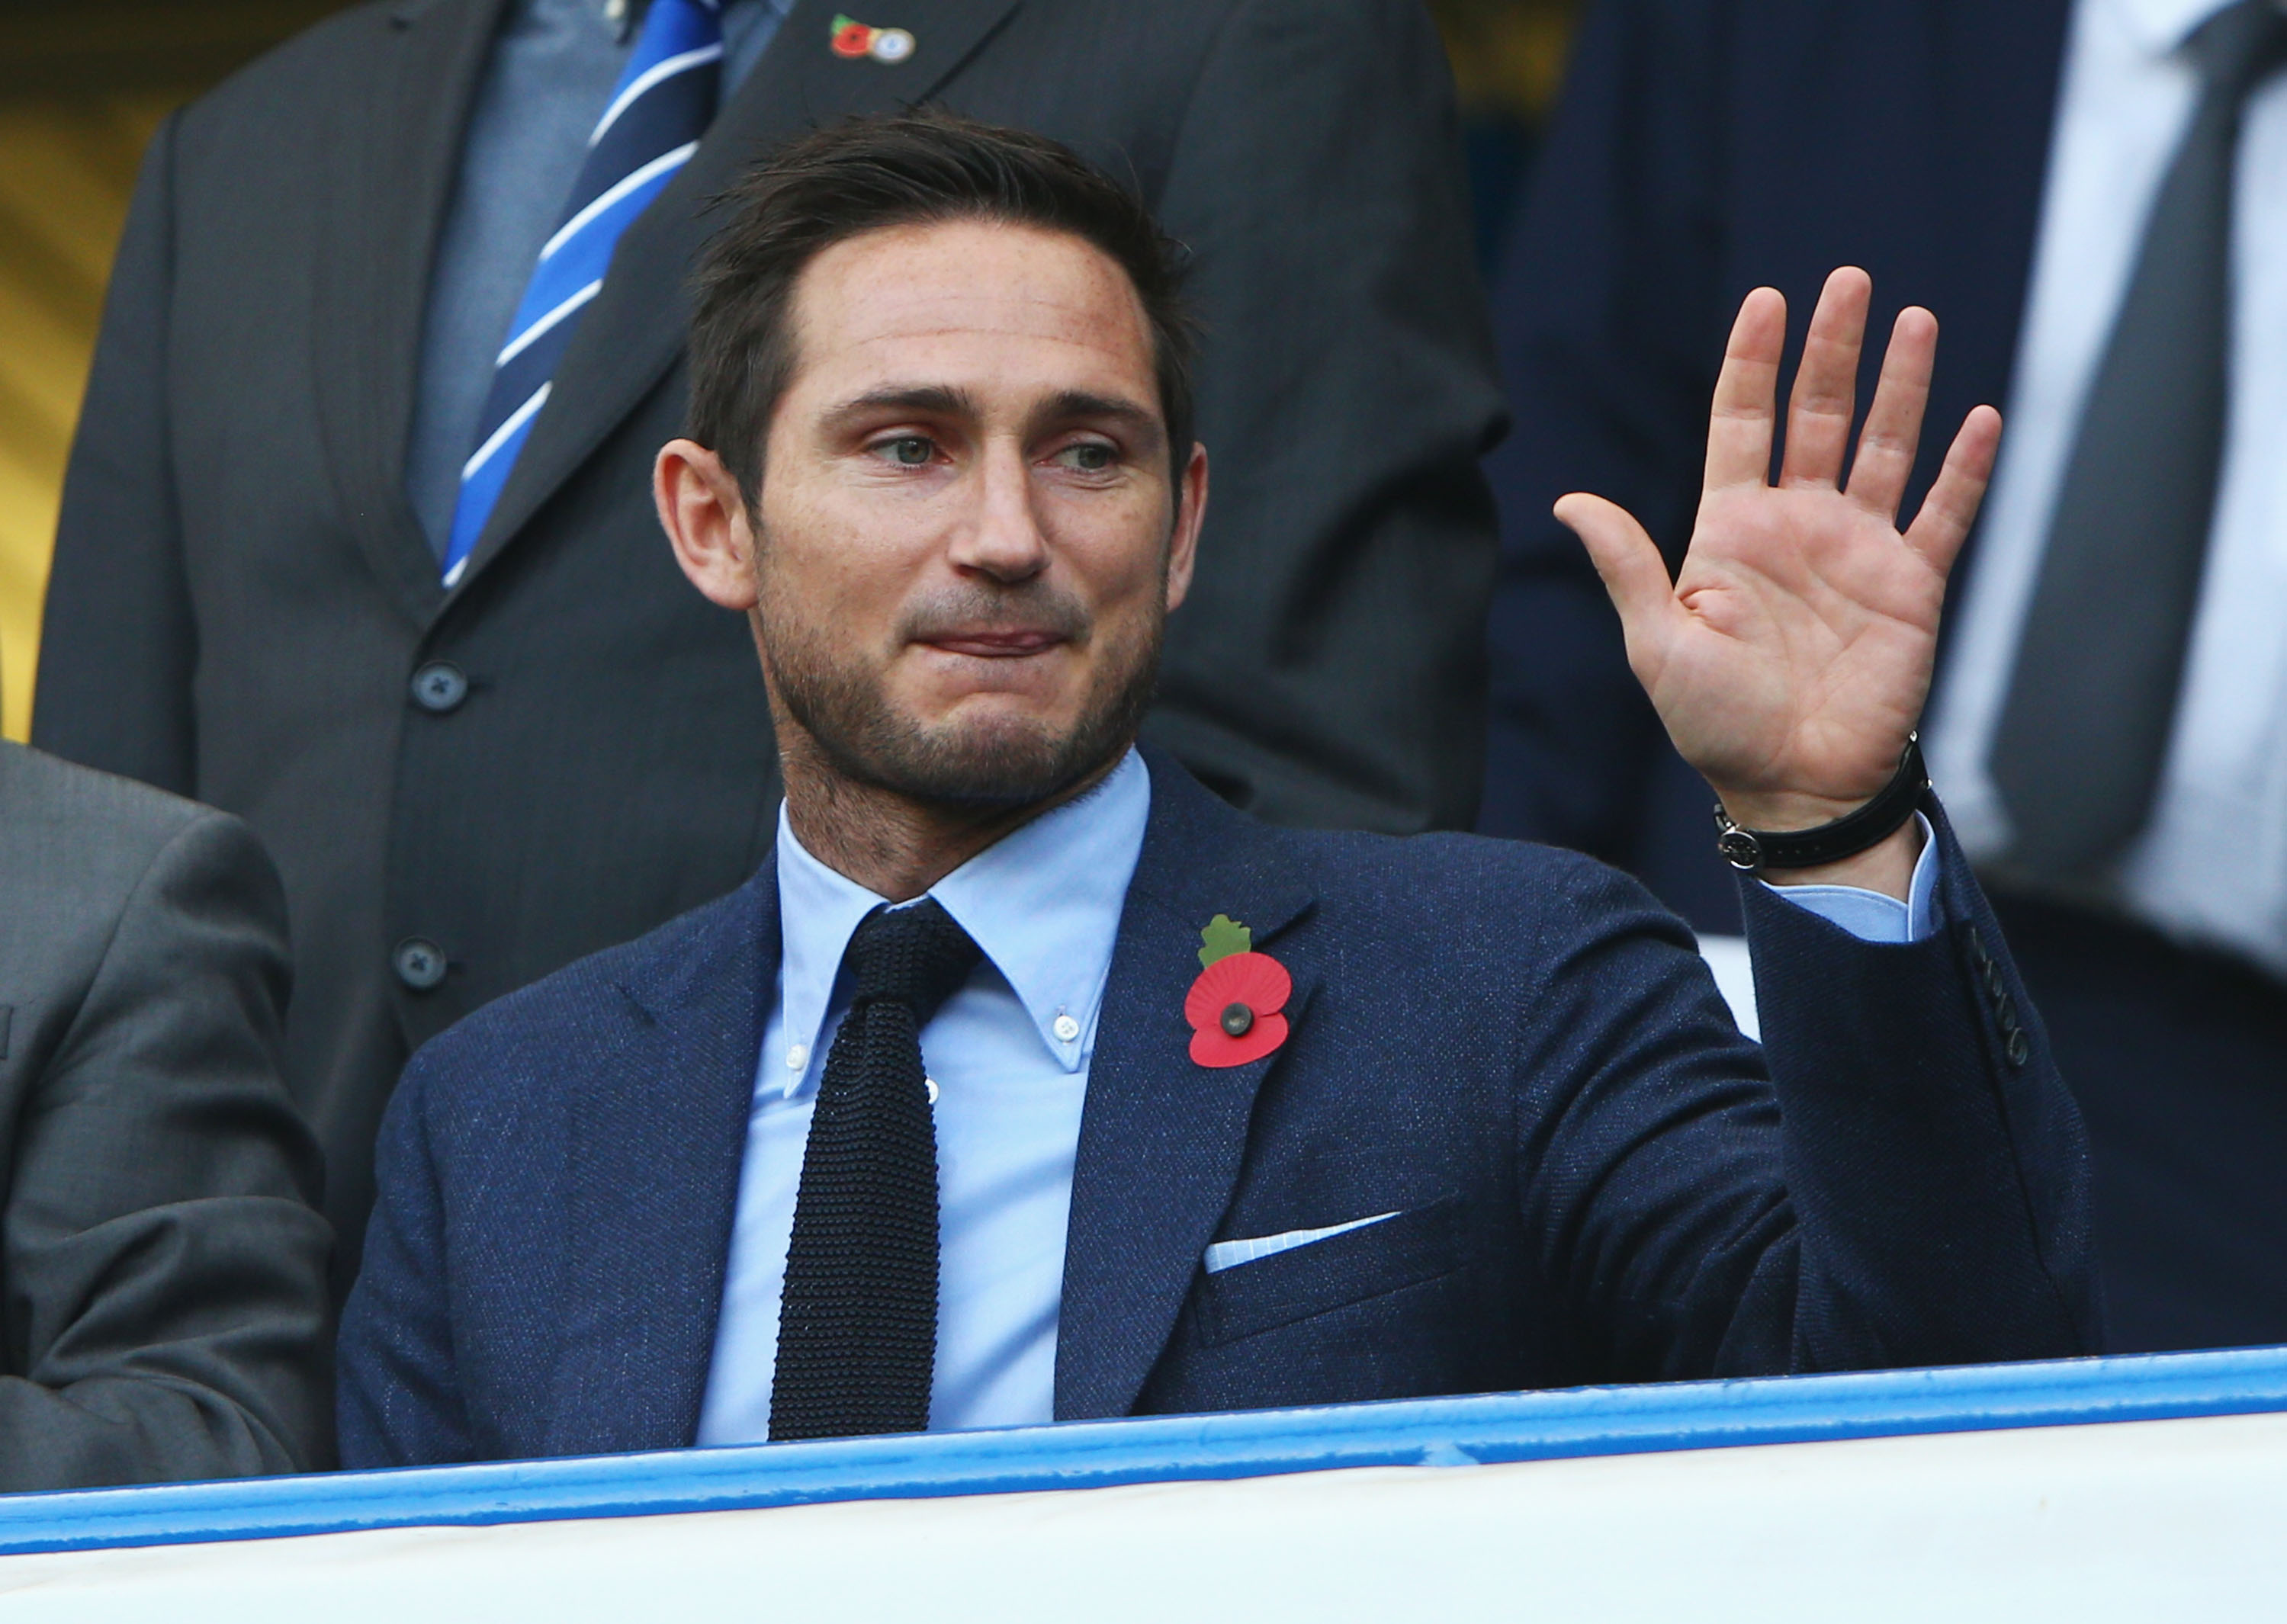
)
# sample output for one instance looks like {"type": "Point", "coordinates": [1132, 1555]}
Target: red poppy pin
{"type": "Point", "coordinates": [1234, 1006]}
{"type": "Point", "coordinates": [854, 39]}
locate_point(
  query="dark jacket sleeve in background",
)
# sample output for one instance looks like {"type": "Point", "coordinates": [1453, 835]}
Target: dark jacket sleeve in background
{"type": "Point", "coordinates": [1328, 670]}
{"type": "Point", "coordinates": [1611, 316]}
{"type": "Point", "coordinates": [119, 643]}
{"type": "Point", "coordinates": [163, 1270]}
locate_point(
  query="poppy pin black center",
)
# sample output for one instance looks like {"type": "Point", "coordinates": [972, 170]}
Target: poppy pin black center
{"type": "Point", "coordinates": [1237, 1019]}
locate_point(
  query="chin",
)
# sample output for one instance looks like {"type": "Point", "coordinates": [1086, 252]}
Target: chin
{"type": "Point", "coordinates": [1010, 759]}
{"type": "Point", "coordinates": [965, 744]}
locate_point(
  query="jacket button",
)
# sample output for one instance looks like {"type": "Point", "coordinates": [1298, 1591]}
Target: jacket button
{"type": "Point", "coordinates": [2019, 1048]}
{"type": "Point", "coordinates": [419, 962]}
{"type": "Point", "coordinates": [439, 686]}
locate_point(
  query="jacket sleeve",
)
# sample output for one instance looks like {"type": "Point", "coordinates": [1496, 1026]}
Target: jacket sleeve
{"type": "Point", "coordinates": [166, 1296]}
{"type": "Point", "coordinates": [1890, 1180]}
{"type": "Point", "coordinates": [118, 644]}
{"type": "Point", "coordinates": [399, 1401]}
{"type": "Point", "coordinates": [1936, 1164]}
{"type": "Point", "coordinates": [1328, 668]}
{"type": "Point", "coordinates": [1611, 314]}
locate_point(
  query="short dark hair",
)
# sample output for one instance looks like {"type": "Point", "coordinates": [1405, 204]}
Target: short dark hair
{"type": "Point", "coordinates": [921, 167]}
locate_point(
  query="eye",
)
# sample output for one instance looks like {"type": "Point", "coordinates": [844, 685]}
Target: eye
{"type": "Point", "coordinates": [906, 450]}
{"type": "Point", "coordinates": [1088, 457]}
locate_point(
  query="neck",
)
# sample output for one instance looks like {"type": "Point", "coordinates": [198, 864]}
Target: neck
{"type": "Point", "coordinates": [894, 845]}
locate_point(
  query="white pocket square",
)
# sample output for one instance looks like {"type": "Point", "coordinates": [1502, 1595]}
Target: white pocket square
{"type": "Point", "coordinates": [1228, 1254]}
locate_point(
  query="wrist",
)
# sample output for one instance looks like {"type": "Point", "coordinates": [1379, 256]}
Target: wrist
{"type": "Point", "coordinates": [1784, 811]}
{"type": "Point", "coordinates": [1797, 848]}
{"type": "Point", "coordinates": [1888, 867]}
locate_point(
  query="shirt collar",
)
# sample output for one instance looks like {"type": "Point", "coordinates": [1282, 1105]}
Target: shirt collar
{"type": "Point", "coordinates": [2160, 26]}
{"type": "Point", "coordinates": [1043, 904]}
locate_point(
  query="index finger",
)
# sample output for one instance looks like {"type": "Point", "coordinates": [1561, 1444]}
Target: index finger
{"type": "Point", "coordinates": [1746, 390]}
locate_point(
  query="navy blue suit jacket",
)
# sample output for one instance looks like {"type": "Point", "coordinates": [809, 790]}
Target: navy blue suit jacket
{"type": "Point", "coordinates": [1512, 1046]}
{"type": "Point", "coordinates": [1703, 148]}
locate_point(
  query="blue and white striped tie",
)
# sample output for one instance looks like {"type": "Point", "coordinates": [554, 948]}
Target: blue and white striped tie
{"type": "Point", "coordinates": [658, 112]}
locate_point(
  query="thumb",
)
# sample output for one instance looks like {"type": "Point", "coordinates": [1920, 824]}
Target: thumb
{"type": "Point", "coordinates": [1626, 560]}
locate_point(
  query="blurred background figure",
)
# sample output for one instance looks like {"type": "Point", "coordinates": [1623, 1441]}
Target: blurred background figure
{"type": "Point", "coordinates": [357, 541]}
{"type": "Point", "coordinates": [161, 1260]}
{"type": "Point", "coordinates": [83, 90]}
{"type": "Point", "coordinates": [2092, 194]}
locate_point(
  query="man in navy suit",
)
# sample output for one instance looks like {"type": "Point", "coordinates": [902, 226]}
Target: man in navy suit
{"type": "Point", "coordinates": [2086, 189]}
{"type": "Point", "coordinates": [1028, 1082]}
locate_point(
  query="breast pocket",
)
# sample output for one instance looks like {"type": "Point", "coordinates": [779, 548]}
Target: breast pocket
{"type": "Point", "coordinates": [1354, 1266]}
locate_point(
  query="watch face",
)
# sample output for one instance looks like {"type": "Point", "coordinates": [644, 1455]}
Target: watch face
{"type": "Point", "coordinates": [1740, 850]}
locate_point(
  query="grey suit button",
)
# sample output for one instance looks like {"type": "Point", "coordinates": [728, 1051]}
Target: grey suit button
{"type": "Point", "coordinates": [439, 686]}
{"type": "Point", "coordinates": [419, 962]}
{"type": "Point", "coordinates": [2019, 1048]}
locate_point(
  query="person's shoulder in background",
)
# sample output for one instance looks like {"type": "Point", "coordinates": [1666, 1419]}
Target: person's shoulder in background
{"type": "Point", "coordinates": [164, 1261]}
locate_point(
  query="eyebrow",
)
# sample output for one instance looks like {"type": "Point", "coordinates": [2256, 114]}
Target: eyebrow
{"type": "Point", "coordinates": [932, 398]}
{"type": "Point", "coordinates": [1080, 403]}
{"type": "Point", "coordinates": [945, 400]}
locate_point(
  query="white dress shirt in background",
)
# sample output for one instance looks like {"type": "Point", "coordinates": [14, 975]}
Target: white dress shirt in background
{"type": "Point", "coordinates": [2212, 864]}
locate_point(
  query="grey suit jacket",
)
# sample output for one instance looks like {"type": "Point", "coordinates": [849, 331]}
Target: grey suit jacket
{"type": "Point", "coordinates": [163, 1305]}
{"type": "Point", "coordinates": [243, 595]}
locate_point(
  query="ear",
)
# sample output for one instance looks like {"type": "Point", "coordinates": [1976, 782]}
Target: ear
{"type": "Point", "coordinates": [705, 517]}
{"type": "Point", "coordinates": [1190, 513]}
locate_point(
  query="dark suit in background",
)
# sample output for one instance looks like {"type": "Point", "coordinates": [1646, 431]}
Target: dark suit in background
{"type": "Point", "coordinates": [1708, 147]}
{"type": "Point", "coordinates": [241, 594]}
{"type": "Point", "coordinates": [1516, 1052]}
{"type": "Point", "coordinates": [162, 1264]}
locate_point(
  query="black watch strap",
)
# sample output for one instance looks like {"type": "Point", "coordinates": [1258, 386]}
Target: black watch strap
{"type": "Point", "coordinates": [1750, 851]}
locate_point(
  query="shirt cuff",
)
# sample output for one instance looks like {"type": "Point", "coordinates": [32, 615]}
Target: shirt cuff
{"type": "Point", "coordinates": [1872, 916]}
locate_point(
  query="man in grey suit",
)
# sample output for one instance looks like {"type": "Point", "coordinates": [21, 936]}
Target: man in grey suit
{"type": "Point", "coordinates": [162, 1262]}
{"type": "Point", "coordinates": [488, 729]}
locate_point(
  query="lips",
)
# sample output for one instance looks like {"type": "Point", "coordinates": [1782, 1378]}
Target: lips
{"type": "Point", "coordinates": [996, 645]}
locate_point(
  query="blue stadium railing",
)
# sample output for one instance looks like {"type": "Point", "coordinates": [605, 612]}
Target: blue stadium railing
{"type": "Point", "coordinates": [1488, 1429]}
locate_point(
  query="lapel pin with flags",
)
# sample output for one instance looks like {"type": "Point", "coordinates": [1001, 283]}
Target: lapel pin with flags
{"type": "Point", "coordinates": [853, 39]}
{"type": "Point", "coordinates": [1234, 1006]}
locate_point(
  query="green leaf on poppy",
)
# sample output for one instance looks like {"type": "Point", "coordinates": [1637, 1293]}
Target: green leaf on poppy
{"type": "Point", "coordinates": [1223, 937]}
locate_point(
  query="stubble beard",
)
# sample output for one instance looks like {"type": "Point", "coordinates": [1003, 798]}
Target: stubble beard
{"type": "Point", "coordinates": [993, 764]}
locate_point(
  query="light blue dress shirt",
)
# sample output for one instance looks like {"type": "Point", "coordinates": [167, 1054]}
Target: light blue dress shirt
{"type": "Point", "coordinates": [1010, 1053]}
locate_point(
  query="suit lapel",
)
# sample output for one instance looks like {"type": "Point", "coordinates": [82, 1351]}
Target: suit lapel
{"type": "Point", "coordinates": [634, 332]}
{"type": "Point", "coordinates": [658, 1142]}
{"type": "Point", "coordinates": [393, 168]}
{"type": "Point", "coordinates": [1162, 1138]}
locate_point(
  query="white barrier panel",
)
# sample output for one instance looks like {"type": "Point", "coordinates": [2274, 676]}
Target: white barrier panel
{"type": "Point", "coordinates": [2012, 1493]}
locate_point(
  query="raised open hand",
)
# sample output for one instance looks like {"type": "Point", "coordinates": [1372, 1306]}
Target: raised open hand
{"type": "Point", "coordinates": [1792, 656]}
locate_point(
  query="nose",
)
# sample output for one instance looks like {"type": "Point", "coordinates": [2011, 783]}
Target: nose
{"type": "Point", "coordinates": [1003, 539]}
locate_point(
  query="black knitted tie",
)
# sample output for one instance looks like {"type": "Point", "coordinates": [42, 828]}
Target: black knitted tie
{"type": "Point", "coordinates": [857, 1321]}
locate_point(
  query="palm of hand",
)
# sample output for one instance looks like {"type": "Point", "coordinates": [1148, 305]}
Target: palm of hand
{"type": "Point", "coordinates": [1810, 632]}
{"type": "Point", "coordinates": [1791, 658]}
